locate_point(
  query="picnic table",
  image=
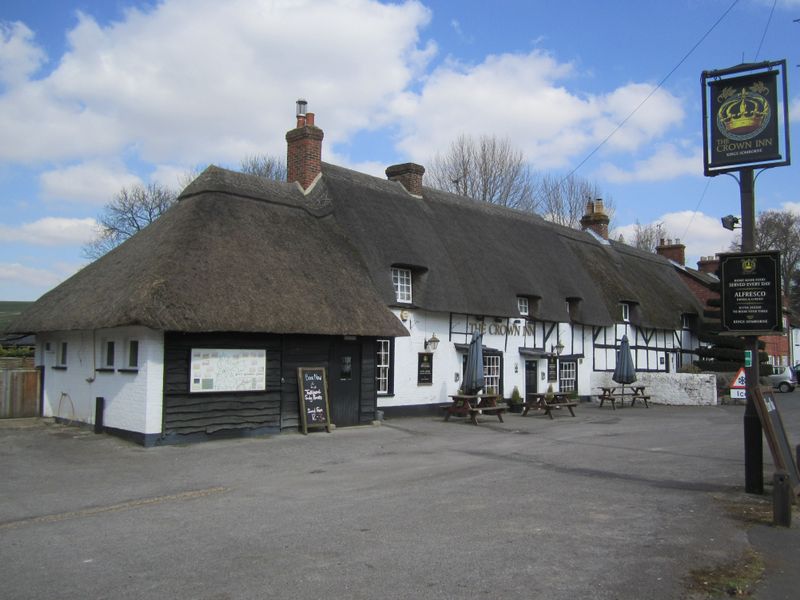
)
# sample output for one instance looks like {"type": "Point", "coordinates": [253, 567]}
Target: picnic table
{"type": "Point", "coordinates": [472, 405]}
{"type": "Point", "coordinates": [541, 401]}
{"type": "Point", "coordinates": [614, 394]}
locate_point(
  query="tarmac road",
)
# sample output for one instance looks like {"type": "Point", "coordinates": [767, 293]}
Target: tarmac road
{"type": "Point", "coordinates": [607, 505]}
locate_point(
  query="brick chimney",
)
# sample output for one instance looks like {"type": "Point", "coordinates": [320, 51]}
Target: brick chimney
{"type": "Point", "coordinates": [595, 218]}
{"type": "Point", "coordinates": [409, 174]}
{"type": "Point", "coordinates": [708, 264]}
{"type": "Point", "coordinates": [304, 148]}
{"type": "Point", "coordinates": [672, 250]}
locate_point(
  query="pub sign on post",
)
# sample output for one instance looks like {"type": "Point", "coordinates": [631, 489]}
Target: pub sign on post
{"type": "Point", "coordinates": [745, 117]}
{"type": "Point", "coordinates": [751, 293]}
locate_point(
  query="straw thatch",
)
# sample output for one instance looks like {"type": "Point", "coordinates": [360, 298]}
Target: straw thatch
{"type": "Point", "coordinates": [242, 253]}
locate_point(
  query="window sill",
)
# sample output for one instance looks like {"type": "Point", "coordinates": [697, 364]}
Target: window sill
{"type": "Point", "coordinates": [59, 367]}
{"type": "Point", "coordinates": [105, 370]}
{"type": "Point", "coordinates": [130, 370]}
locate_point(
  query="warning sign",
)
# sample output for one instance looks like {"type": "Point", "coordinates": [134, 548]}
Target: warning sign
{"type": "Point", "coordinates": [740, 381]}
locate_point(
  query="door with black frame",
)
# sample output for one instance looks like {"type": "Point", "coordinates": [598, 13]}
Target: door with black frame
{"type": "Point", "coordinates": [531, 377]}
{"type": "Point", "coordinates": [345, 383]}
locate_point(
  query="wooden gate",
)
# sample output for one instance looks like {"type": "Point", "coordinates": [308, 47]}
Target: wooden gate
{"type": "Point", "coordinates": [19, 393]}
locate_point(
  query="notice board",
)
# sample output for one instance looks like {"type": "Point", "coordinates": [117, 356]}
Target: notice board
{"type": "Point", "coordinates": [779, 446]}
{"type": "Point", "coordinates": [312, 385]}
{"type": "Point", "coordinates": [228, 370]}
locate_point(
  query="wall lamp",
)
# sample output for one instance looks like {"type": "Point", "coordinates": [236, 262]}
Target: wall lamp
{"type": "Point", "coordinates": [557, 349]}
{"type": "Point", "coordinates": [432, 343]}
{"type": "Point", "coordinates": [730, 222]}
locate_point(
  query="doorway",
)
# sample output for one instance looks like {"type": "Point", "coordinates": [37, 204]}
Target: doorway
{"type": "Point", "coordinates": [345, 383]}
{"type": "Point", "coordinates": [531, 377]}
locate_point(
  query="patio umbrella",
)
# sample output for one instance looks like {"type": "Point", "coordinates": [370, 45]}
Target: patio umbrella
{"type": "Point", "coordinates": [473, 373]}
{"type": "Point", "coordinates": [624, 371]}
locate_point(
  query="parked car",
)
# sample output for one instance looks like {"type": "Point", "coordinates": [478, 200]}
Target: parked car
{"type": "Point", "coordinates": [783, 379]}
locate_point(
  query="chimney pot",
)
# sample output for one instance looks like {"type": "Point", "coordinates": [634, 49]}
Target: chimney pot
{"type": "Point", "coordinates": [304, 148]}
{"type": "Point", "coordinates": [595, 218]}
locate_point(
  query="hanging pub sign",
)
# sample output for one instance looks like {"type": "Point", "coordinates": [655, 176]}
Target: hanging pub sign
{"type": "Point", "coordinates": [745, 117]}
{"type": "Point", "coordinates": [751, 293]}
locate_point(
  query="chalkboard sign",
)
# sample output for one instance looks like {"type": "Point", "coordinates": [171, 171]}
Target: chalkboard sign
{"type": "Point", "coordinates": [552, 369]}
{"type": "Point", "coordinates": [781, 451]}
{"type": "Point", "coordinates": [312, 385]}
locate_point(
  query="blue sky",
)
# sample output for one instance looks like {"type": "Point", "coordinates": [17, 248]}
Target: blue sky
{"type": "Point", "coordinates": [96, 95]}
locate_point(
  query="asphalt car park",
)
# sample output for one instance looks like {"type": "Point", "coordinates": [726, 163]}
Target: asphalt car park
{"type": "Point", "coordinates": [621, 504]}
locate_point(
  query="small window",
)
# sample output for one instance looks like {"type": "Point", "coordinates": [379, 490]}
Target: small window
{"type": "Point", "coordinates": [567, 375]}
{"type": "Point", "coordinates": [108, 354]}
{"type": "Point", "coordinates": [62, 355]}
{"type": "Point", "coordinates": [625, 312]}
{"type": "Point", "coordinates": [686, 322]}
{"type": "Point", "coordinates": [346, 369]}
{"type": "Point", "coordinates": [133, 354]}
{"type": "Point", "coordinates": [522, 305]}
{"type": "Point", "coordinates": [383, 365]}
{"type": "Point", "coordinates": [491, 373]}
{"type": "Point", "coordinates": [401, 279]}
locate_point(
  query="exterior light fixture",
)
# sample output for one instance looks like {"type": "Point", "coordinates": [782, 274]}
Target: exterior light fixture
{"type": "Point", "coordinates": [730, 222]}
{"type": "Point", "coordinates": [557, 349]}
{"type": "Point", "coordinates": [432, 343]}
{"type": "Point", "coordinates": [302, 105]}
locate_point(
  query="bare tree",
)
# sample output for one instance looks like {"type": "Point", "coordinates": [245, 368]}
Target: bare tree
{"type": "Point", "coordinates": [563, 200]}
{"type": "Point", "coordinates": [131, 210]}
{"type": "Point", "coordinates": [486, 169]}
{"type": "Point", "coordinates": [269, 167]}
{"type": "Point", "coordinates": [779, 230]}
{"type": "Point", "coordinates": [648, 237]}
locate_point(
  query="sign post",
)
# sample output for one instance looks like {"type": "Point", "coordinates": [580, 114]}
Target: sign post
{"type": "Point", "coordinates": [743, 119]}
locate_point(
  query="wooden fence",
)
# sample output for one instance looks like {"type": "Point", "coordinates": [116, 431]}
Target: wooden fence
{"type": "Point", "coordinates": [20, 390]}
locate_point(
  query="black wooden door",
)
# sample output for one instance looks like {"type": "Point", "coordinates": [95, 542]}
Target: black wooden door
{"type": "Point", "coordinates": [531, 376]}
{"type": "Point", "coordinates": [345, 383]}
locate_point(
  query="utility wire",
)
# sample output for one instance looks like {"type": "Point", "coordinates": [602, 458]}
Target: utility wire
{"type": "Point", "coordinates": [766, 27]}
{"type": "Point", "coordinates": [696, 208]}
{"type": "Point", "coordinates": [654, 90]}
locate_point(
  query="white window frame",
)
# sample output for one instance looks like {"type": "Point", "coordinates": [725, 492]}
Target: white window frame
{"type": "Point", "coordinates": [626, 312]}
{"type": "Point", "coordinates": [491, 373]}
{"type": "Point", "coordinates": [523, 306]}
{"type": "Point", "coordinates": [106, 355]}
{"type": "Point", "coordinates": [383, 365]}
{"type": "Point", "coordinates": [401, 280]}
{"type": "Point", "coordinates": [62, 354]}
{"type": "Point", "coordinates": [130, 363]}
{"type": "Point", "coordinates": [567, 375]}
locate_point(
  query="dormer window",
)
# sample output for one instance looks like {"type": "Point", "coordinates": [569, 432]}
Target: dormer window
{"type": "Point", "coordinates": [522, 305]}
{"type": "Point", "coordinates": [401, 279]}
{"type": "Point", "coordinates": [625, 312]}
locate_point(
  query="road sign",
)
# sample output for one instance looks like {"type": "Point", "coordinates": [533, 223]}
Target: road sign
{"type": "Point", "coordinates": [738, 394]}
{"type": "Point", "coordinates": [748, 358]}
{"type": "Point", "coordinates": [740, 381]}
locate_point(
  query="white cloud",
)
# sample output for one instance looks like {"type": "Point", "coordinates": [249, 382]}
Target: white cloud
{"type": "Point", "coordinates": [41, 279]}
{"type": "Point", "coordinates": [198, 80]}
{"type": "Point", "coordinates": [794, 108]}
{"type": "Point", "coordinates": [51, 231]}
{"type": "Point", "coordinates": [520, 96]}
{"type": "Point", "coordinates": [19, 56]}
{"type": "Point", "coordinates": [793, 207]}
{"type": "Point", "coordinates": [93, 182]}
{"type": "Point", "coordinates": [668, 162]}
{"type": "Point", "coordinates": [701, 234]}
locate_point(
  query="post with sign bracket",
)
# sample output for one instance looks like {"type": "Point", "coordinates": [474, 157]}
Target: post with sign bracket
{"type": "Point", "coordinates": [746, 127]}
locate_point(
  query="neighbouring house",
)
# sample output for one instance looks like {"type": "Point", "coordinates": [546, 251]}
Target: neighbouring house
{"type": "Point", "coordinates": [380, 281]}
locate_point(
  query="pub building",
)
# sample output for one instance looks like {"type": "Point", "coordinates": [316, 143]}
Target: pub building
{"type": "Point", "coordinates": [196, 326]}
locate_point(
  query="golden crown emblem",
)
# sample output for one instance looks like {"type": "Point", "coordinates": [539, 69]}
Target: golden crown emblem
{"type": "Point", "coordinates": [745, 113]}
{"type": "Point", "coordinates": [748, 265]}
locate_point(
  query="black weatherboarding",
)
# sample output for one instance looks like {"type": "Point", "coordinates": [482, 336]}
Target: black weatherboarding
{"type": "Point", "coordinates": [312, 384]}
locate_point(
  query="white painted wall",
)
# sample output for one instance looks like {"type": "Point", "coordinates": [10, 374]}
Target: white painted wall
{"type": "Point", "coordinates": [133, 399]}
{"type": "Point", "coordinates": [677, 389]}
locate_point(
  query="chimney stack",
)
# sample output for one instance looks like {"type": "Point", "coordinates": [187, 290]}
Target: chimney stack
{"type": "Point", "coordinates": [596, 218]}
{"type": "Point", "coordinates": [304, 148]}
{"type": "Point", "coordinates": [672, 250]}
{"type": "Point", "coordinates": [708, 264]}
{"type": "Point", "coordinates": [408, 174]}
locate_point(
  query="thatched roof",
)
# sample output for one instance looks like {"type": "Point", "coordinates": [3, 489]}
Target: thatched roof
{"type": "Point", "coordinates": [476, 258]}
{"type": "Point", "coordinates": [236, 253]}
{"type": "Point", "coordinates": [242, 253]}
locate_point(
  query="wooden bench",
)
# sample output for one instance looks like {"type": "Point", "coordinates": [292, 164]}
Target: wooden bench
{"type": "Point", "coordinates": [540, 402]}
{"type": "Point", "coordinates": [473, 406]}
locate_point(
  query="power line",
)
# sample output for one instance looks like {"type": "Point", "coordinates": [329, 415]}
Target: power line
{"type": "Point", "coordinates": [654, 90]}
{"type": "Point", "coordinates": [766, 27]}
